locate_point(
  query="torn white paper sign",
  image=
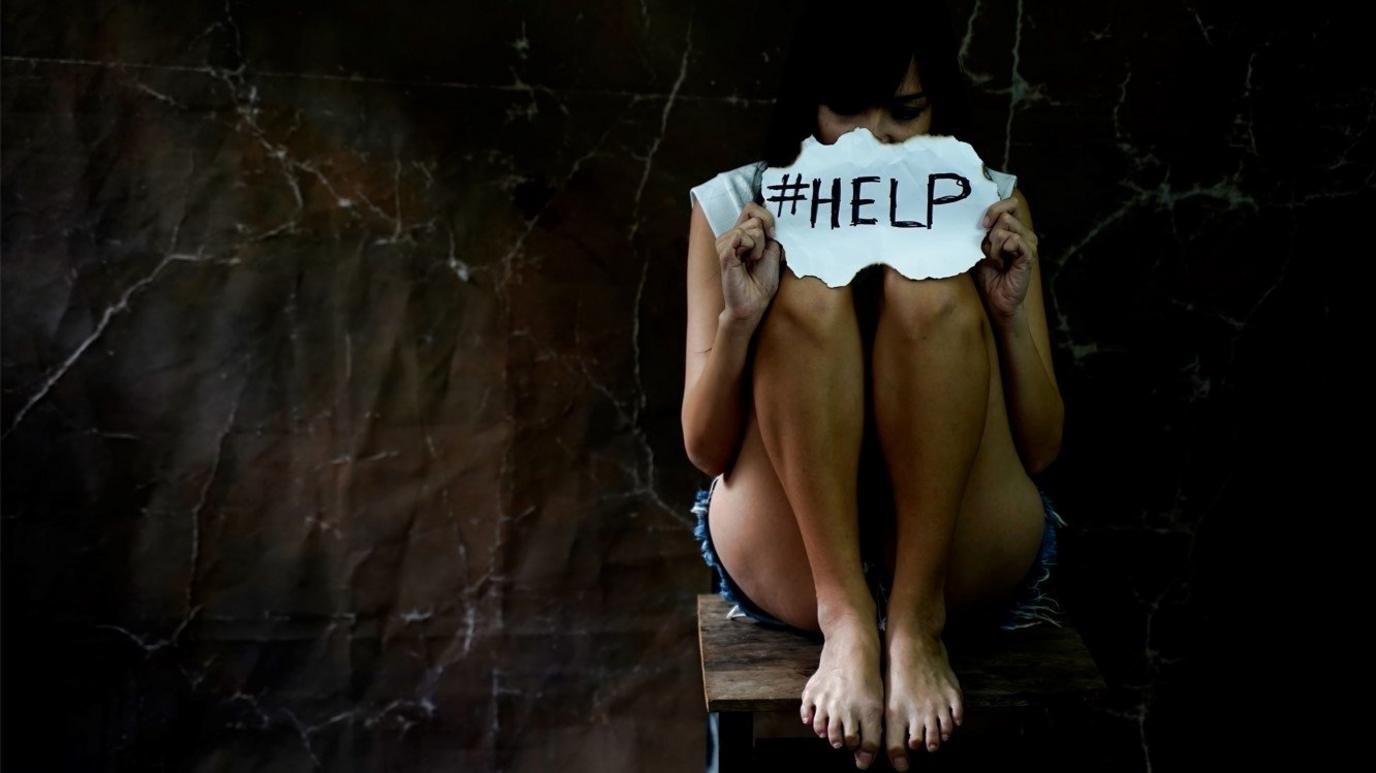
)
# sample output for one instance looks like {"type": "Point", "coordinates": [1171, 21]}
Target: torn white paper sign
{"type": "Point", "coordinates": [915, 205]}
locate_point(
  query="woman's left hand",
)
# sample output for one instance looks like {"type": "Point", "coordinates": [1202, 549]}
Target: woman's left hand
{"type": "Point", "coordinates": [1005, 272]}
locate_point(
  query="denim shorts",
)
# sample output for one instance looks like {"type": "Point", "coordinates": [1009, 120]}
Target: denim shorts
{"type": "Point", "coordinates": [1032, 603]}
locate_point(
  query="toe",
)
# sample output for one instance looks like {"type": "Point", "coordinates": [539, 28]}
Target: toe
{"type": "Point", "coordinates": [895, 736]}
{"type": "Point", "coordinates": [871, 733]}
{"type": "Point", "coordinates": [852, 725]}
{"type": "Point", "coordinates": [933, 730]}
{"type": "Point", "coordinates": [819, 722]}
{"type": "Point", "coordinates": [916, 741]}
{"type": "Point", "coordinates": [948, 725]}
{"type": "Point", "coordinates": [836, 732]}
{"type": "Point", "coordinates": [958, 712]}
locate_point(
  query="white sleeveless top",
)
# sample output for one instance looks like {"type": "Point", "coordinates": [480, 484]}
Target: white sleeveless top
{"type": "Point", "coordinates": [725, 195]}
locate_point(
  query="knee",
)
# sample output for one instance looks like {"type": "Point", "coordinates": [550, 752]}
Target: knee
{"type": "Point", "coordinates": [920, 304]}
{"type": "Point", "coordinates": [807, 306]}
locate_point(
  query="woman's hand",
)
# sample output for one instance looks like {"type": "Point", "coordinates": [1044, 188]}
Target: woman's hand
{"type": "Point", "coordinates": [750, 263]}
{"type": "Point", "coordinates": [1005, 272]}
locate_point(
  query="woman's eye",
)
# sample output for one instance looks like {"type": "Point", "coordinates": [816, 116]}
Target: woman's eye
{"type": "Point", "coordinates": [907, 115]}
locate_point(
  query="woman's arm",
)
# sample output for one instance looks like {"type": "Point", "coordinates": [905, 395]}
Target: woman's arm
{"type": "Point", "coordinates": [1036, 410]}
{"type": "Point", "coordinates": [718, 349]}
{"type": "Point", "coordinates": [714, 410]}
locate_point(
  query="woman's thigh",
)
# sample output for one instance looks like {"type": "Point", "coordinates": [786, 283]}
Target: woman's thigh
{"type": "Point", "coordinates": [757, 538]}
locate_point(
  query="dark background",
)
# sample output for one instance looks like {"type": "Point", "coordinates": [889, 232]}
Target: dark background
{"type": "Point", "coordinates": [343, 349]}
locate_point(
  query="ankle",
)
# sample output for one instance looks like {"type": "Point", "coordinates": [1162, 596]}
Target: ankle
{"type": "Point", "coordinates": [917, 616]}
{"type": "Point", "coordinates": [920, 632]}
{"type": "Point", "coordinates": [846, 613]}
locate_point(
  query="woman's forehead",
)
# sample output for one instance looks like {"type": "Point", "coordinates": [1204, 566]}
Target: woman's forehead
{"type": "Point", "coordinates": [871, 78]}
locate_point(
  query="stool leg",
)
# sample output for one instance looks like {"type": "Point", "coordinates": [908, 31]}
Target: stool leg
{"type": "Point", "coordinates": [730, 741]}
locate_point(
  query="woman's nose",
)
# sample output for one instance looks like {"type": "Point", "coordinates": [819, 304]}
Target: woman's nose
{"type": "Point", "coordinates": [873, 122]}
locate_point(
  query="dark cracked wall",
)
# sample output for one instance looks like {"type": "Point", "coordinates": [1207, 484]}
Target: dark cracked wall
{"type": "Point", "coordinates": [343, 350]}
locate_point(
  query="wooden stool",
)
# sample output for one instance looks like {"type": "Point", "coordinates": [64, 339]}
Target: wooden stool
{"type": "Point", "coordinates": [753, 677]}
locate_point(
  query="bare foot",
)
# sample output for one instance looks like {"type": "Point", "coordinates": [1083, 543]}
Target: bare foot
{"type": "Point", "coordinates": [923, 701]}
{"type": "Point", "coordinates": [843, 700]}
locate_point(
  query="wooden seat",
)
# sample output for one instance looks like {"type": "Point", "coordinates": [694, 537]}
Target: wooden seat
{"type": "Point", "coordinates": [753, 678]}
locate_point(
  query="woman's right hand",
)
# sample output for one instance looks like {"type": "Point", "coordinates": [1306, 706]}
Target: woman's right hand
{"type": "Point", "coordinates": [750, 263]}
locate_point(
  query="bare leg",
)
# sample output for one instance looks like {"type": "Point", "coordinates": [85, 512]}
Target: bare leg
{"type": "Point", "coordinates": [808, 384]}
{"type": "Point", "coordinates": [931, 391]}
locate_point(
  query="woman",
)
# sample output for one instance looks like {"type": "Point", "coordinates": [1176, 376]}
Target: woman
{"type": "Point", "coordinates": [907, 412]}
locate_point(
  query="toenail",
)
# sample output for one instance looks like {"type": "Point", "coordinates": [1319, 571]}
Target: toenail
{"type": "Point", "coordinates": [835, 744]}
{"type": "Point", "coordinates": [900, 764]}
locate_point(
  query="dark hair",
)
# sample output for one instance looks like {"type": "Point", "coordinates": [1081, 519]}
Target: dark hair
{"type": "Point", "coordinates": [850, 58]}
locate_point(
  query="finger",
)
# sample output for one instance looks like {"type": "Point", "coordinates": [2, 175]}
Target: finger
{"type": "Point", "coordinates": [1012, 245]}
{"type": "Point", "coordinates": [1012, 222]}
{"type": "Point", "coordinates": [755, 224]}
{"type": "Point", "coordinates": [745, 243]}
{"type": "Point", "coordinates": [1009, 221]}
{"type": "Point", "coordinates": [1013, 208]}
{"type": "Point", "coordinates": [730, 244]}
{"type": "Point", "coordinates": [765, 216]}
{"type": "Point", "coordinates": [757, 238]}
{"type": "Point", "coordinates": [997, 238]}
{"type": "Point", "coordinates": [752, 225]}
{"type": "Point", "coordinates": [751, 213]}
{"type": "Point", "coordinates": [987, 246]}
{"type": "Point", "coordinates": [995, 210]}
